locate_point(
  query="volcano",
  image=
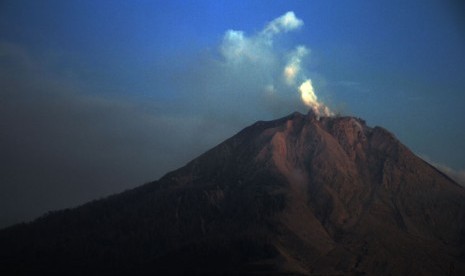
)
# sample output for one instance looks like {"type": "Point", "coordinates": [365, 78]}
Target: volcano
{"type": "Point", "coordinates": [300, 195]}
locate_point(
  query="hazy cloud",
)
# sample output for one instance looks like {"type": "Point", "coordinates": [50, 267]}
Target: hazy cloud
{"type": "Point", "coordinates": [282, 69]}
{"type": "Point", "coordinates": [285, 23]}
{"type": "Point", "coordinates": [457, 175]}
{"type": "Point", "coordinates": [63, 145]}
{"type": "Point", "coordinates": [293, 66]}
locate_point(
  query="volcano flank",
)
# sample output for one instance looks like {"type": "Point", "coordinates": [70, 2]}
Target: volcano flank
{"type": "Point", "coordinates": [300, 195]}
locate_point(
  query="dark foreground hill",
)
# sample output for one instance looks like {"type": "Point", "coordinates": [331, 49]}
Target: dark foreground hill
{"type": "Point", "coordinates": [298, 195]}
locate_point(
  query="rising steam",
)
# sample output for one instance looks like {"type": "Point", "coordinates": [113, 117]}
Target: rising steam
{"type": "Point", "coordinates": [292, 68]}
{"type": "Point", "coordinates": [309, 98]}
{"type": "Point", "coordinates": [251, 52]}
{"type": "Point", "coordinates": [285, 23]}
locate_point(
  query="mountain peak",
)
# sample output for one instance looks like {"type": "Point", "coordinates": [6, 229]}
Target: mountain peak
{"type": "Point", "coordinates": [299, 195]}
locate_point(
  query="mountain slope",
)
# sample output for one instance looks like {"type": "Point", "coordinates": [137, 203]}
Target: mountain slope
{"type": "Point", "coordinates": [300, 195]}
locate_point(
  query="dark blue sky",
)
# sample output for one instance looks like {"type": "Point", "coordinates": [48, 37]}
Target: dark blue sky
{"type": "Point", "coordinates": [100, 96]}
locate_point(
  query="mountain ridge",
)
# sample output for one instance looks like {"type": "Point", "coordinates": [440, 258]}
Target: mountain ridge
{"type": "Point", "coordinates": [300, 195]}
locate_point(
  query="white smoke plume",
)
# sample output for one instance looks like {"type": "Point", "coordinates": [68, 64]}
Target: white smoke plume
{"type": "Point", "coordinates": [308, 96]}
{"type": "Point", "coordinates": [285, 23]}
{"type": "Point", "coordinates": [256, 53]}
{"type": "Point", "coordinates": [292, 68]}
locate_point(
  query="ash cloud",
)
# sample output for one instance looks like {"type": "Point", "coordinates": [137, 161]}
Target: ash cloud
{"type": "Point", "coordinates": [63, 145]}
{"type": "Point", "coordinates": [285, 23]}
{"type": "Point", "coordinates": [278, 74]}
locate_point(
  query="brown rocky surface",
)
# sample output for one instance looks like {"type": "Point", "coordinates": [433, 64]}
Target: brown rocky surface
{"type": "Point", "coordinates": [298, 195]}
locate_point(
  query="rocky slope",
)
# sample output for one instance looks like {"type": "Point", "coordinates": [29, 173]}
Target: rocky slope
{"type": "Point", "coordinates": [298, 195]}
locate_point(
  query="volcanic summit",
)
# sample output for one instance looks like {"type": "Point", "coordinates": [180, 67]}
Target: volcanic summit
{"type": "Point", "coordinates": [300, 195]}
